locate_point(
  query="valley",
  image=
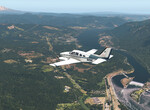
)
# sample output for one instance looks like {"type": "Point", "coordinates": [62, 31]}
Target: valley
{"type": "Point", "coordinates": [28, 46]}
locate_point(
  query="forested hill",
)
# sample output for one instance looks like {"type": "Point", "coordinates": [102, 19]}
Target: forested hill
{"type": "Point", "coordinates": [133, 37]}
{"type": "Point", "coordinates": [66, 20]}
{"type": "Point", "coordinates": [27, 82]}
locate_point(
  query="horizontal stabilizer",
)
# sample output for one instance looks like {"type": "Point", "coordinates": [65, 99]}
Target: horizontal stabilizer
{"type": "Point", "coordinates": [99, 60]}
{"type": "Point", "coordinates": [110, 56]}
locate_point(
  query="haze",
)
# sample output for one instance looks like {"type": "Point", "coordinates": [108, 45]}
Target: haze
{"type": "Point", "coordinates": [80, 6]}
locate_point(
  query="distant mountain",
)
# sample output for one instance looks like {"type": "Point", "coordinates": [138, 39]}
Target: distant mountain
{"type": "Point", "coordinates": [63, 20]}
{"type": "Point", "coordinates": [4, 10]}
{"type": "Point", "coordinates": [133, 37]}
{"type": "Point", "coordinates": [127, 16]}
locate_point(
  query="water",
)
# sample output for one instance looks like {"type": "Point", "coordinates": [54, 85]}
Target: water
{"type": "Point", "coordinates": [89, 40]}
{"type": "Point", "coordinates": [140, 73]}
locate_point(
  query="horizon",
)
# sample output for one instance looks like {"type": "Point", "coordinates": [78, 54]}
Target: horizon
{"type": "Point", "coordinates": [84, 6]}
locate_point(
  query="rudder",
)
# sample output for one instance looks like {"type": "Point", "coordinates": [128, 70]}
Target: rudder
{"type": "Point", "coordinates": [105, 53]}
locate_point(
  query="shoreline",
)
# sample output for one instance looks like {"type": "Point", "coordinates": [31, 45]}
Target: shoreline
{"type": "Point", "coordinates": [111, 93]}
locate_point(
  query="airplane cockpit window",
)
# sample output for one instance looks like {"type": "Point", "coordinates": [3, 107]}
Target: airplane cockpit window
{"type": "Point", "coordinates": [72, 53]}
{"type": "Point", "coordinates": [80, 55]}
{"type": "Point", "coordinates": [77, 53]}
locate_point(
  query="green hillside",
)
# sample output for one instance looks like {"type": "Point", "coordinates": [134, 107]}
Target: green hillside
{"type": "Point", "coordinates": [28, 82]}
{"type": "Point", "coordinates": [133, 37]}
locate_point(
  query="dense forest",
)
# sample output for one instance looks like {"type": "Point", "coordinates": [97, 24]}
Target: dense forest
{"type": "Point", "coordinates": [30, 42]}
{"type": "Point", "coordinates": [133, 37]}
{"type": "Point", "coordinates": [28, 82]}
{"type": "Point", "coordinates": [25, 85]}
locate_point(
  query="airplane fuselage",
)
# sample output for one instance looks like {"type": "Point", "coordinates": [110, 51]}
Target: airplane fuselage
{"type": "Point", "coordinates": [80, 55]}
{"type": "Point", "coordinates": [77, 56]}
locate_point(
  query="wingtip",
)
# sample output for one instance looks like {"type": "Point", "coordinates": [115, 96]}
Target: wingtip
{"type": "Point", "coordinates": [52, 65]}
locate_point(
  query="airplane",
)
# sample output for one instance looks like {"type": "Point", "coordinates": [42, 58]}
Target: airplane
{"type": "Point", "coordinates": [77, 56]}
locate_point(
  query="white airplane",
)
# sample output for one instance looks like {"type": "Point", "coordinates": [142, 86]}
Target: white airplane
{"type": "Point", "coordinates": [77, 56]}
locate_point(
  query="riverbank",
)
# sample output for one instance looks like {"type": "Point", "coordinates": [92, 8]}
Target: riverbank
{"type": "Point", "coordinates": [139, 73]}
{"type": "Point", "coordinates": [111, 94]}
{"type": "Point", "coordinates": [126, 81]}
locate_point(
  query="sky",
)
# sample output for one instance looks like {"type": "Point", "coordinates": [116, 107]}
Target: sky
{"type": "Point", "coordinates": [79, 6]}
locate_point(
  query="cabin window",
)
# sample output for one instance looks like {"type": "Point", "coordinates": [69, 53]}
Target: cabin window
{"type": "Point", "coordinates": [77, 53]}
{"type": "Point", "coordinates": [83, 55]}
{"type": "Point", "coordinates": [80, 55]}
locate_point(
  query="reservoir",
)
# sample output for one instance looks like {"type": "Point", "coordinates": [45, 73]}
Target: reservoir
{"type": "Point", "coordinates": [140, 73]}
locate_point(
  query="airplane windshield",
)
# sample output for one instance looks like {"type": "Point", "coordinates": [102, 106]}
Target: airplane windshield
{"type": "Point", "coordinates": [72, 53]}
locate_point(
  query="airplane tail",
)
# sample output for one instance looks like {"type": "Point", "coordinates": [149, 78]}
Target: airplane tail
{"type": "Point", "coordinates": [106, 53]}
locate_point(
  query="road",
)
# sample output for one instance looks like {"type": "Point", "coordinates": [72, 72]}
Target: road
{"type": "Point", "coordinates": [111, 95]}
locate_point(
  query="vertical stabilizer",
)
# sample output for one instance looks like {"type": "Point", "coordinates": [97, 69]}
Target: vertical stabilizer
{"type": "Point", "coordinates": [105, 53]}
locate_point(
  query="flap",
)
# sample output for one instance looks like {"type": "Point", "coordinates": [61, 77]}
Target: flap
{"type": "Point", "coordinates": [99, 60]}
{"type": "Point", "coordinates": [66, 62]}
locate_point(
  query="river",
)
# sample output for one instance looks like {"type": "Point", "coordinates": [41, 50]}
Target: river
{"type": "Point", "coordinates": [89, 40]}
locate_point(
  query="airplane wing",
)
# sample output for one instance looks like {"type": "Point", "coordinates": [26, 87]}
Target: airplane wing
{"type": "Point", "coordinates": [91, 51]}
{"type": "Point", "coordinates": [66, 62]}
{"type": "Point", "coordinates": [98, 61]}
